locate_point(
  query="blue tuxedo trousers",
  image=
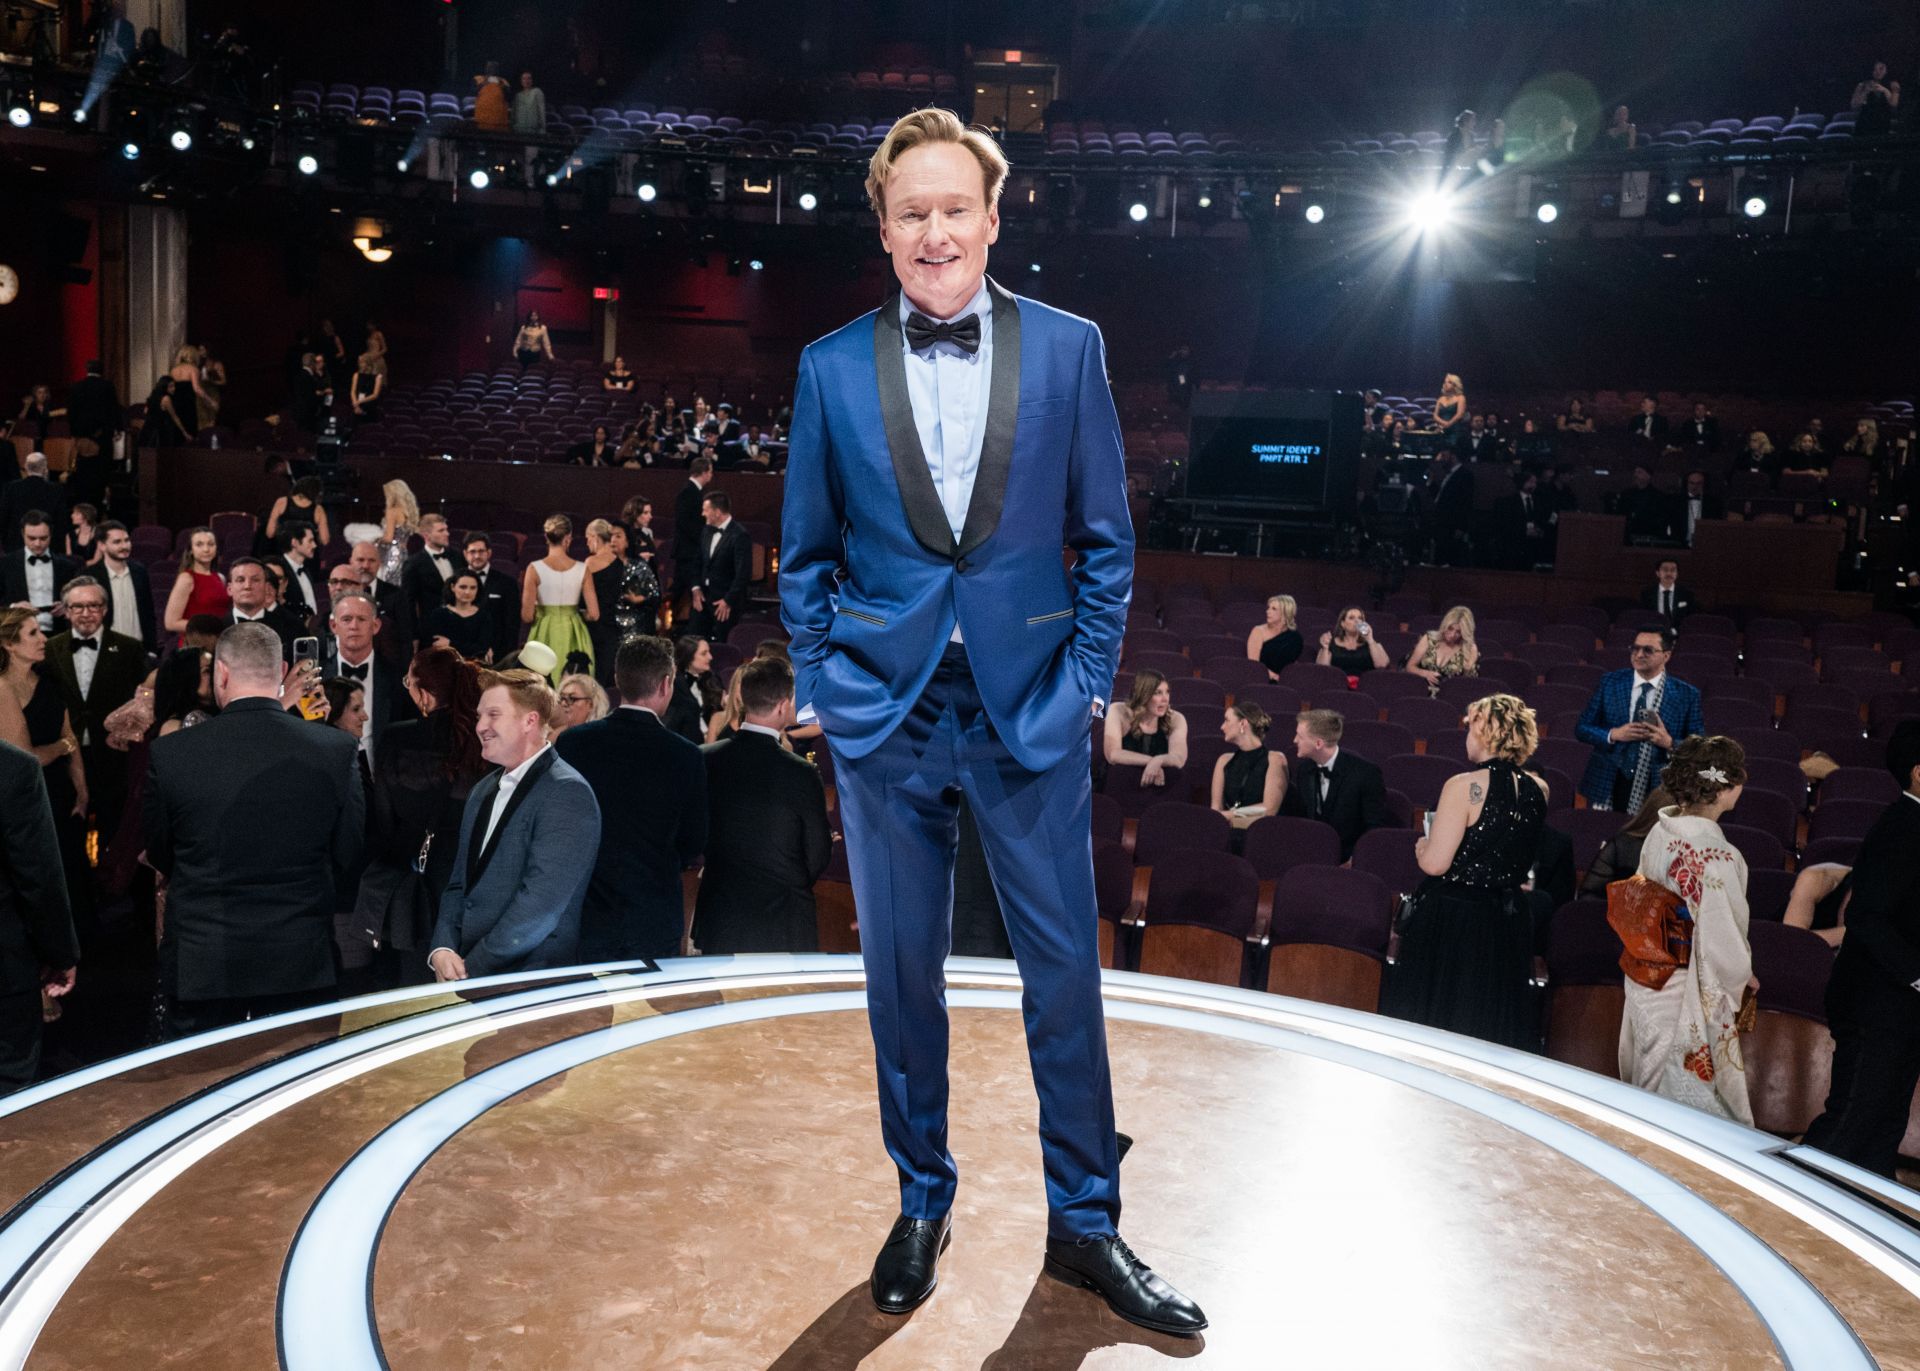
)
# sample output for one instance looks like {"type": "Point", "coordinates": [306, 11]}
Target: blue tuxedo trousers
{"type": "Point", "coordinates": [899, 807]}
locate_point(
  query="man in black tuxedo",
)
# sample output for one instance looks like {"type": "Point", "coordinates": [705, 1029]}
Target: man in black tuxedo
{"type": "Point", "coordinates": [1647, 510]}
{"type": "Point", "coordinates": [1333, 786]}
{"type": "Point", "coordinates": [252, 596]}
{"type": "Point", "coordinates": [1480, 443]}
{"type": "Point", "coordinates": [356, 623]}
{"type": "Point", "coordinates": [94, 415]}
{"type": "Point", "coordinates": [689, 524]}
{"type": "Point", "coordinates": [257, 819]}
{"type": "Point", "coordinates": [726, 569]}
{"type": "Point", "coordinates": [1666, 596]}
{"type": "Point", "coordinates": [312, 393]}
{"type": "Point", "coordinates": [1649, 426]}
{"type": "Point", "coordinates": [1451, 500]}
{"type": "Point", "coordinates": [129, 592]}
{"type": "Point", "coordinates": [1873, 996]}
{"type": "Point", "coordinates": [1520, 525]}
{"type": "Point", "coordinates": [38, 946]}
{"type": "Point", "coordinates": [1697, 504]}
{"type": "Point", "coordinates": [499, 596]}
{"type": "Point", "coordinates": [35, 491]}
{"type": "Point", "coordinates": [650, 833]}
{"type": "Point", "coordinates": [33, 573]}
{"type": "Point", "coordinates": [297, 546]}
{"type": "Point", "coordinates": [98, 671]}
{"type": "Point", "coordinates": [768, 839]}
{"type": "Point", "coordinates": [424, 577]}
{"type": "Point", "coordinates": [1701, 433]}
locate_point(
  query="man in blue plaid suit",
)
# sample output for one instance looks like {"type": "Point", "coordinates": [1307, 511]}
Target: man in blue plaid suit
{"type": "Point", "coordinates": [1630, 745]}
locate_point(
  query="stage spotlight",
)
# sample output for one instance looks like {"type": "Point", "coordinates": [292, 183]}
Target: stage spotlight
{"type": "Point", "coordinates": [1205, 199]}
{"type": "Point", "coordinates": [401, 166]}
{"type": "Point", "coordinates": [808, 199]}
{"type": "Point", "coordinates": [553, 179]}
{"type": "Point", "coordinates": [1430, 211]}
{"type": "Point", "coordinates": [1755, 206]}
{"type": "Point", "coordinates": [19, 115]}
{"type": "Point", "coordinates": [130, 150]}
{"type": "Point", "coordinates": [1674, 195]}
{"type": "Point", "coordinates": [647, 191]}
{"type": "Point", "coordinates": [1138, 211]}
{"type": "Point", "coordinates": [308, 164]}
{"type": "Point", "coordinates": [180, 140]}
{"type": "Point", "coordinates": [756, 264]}
{"type": "Point", "coordinates": [80, 116]}
{"type": "Point", "coordinates": [1033, 266]}
{"type": "Point", "coordinates": [1315, 213]}
{"type": "Point", "coordinates": [1547, 212]}
{"type": "Point", "coordinates": [479, 179]}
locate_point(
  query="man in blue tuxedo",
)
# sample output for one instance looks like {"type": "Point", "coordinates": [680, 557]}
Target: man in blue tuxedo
{"type": "Point", "coordinates": [513, 901]}
{"type": "Point", "coordinates": [943, 451]}
{"type": "Point", "coordinates": [1633, 720]}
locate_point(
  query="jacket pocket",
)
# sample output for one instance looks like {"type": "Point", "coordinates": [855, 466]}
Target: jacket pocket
{"type": "Point", "coordinates": [1049, 618]}
{"type": "Point", "coordinates": [862, 616]}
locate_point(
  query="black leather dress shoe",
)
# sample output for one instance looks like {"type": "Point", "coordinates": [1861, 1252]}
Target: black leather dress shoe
{"type": "Point", "coordinates": [1108, 1267]}
{"type": "Point", "coordinates": [1126, 1144]}
{"type": "Point", "coordinates": [908, 1267]}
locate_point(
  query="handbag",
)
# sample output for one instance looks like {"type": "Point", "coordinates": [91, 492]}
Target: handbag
{"type": "Point", "coordinates": [1655, 930]}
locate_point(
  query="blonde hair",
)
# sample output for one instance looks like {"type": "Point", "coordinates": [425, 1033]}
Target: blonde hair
{"type": "Point", "coordinates": [401, 494]}
{"type": "Point", "coordinates": [600, 530]}
{"type": "Point", "coordinates": [1512, 732]}
{"type": "Point", "coordinates": [598, 705]}
{"type": "Point", "coordinates": [13, 623]}
{"type": "Point", "coordinates": [1450, 385]}
{"type": "Point", "coordinates": [558, 528]}
{"type": "Point", "coordinates": [1870, 430]}
{"type": "Point", "coordinates": [924, 126]}
{"type": "Point", "coordinates": [1463, 616]}
{"type": "Point", "coordinates": [1289, 609]}
{"type": "Point", "coordinates": [1325, 724]}
{"type": "Point", "coordinates": [528, 690]}
{"type": "Point", "coordinates": [1766, 443]}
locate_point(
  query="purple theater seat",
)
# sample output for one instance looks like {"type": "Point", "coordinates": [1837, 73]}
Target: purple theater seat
{"type": "Point", "coordinates": [1792, 965]}
{"type": "Point", "coordinates": [1759, 847]}
{"type": "Point", "coordinates": [1844, 818]}
{"type": "Point", "coordinates": [1779, 777]}
{"type": "Point", "coordinates": [1580, 675]}
{"type": "Point", "coordinates": [1859, 783]}
{"type": "Point", "coordinates": [1424, 717]}
{"type": "Point", "coordinates": [1172, 825]}
{"type": "Point", "coordinates": [1550, 699]}
{"type": "Point", "coordinates": [1420, 778]}
{"type": "Point", "coordinates": [1334, 907]}
{"type": "Point", "coordinates": [1588, 829]}
{"type": "Point", "coordinates": [1374, 738]}
{"type": "Point", "coordinates": [1388, 854]}
{"type": "Point", "coordinates": [1768, 811]}
{"type": "Point", "coordinates": [1200, 910]}
{"type": "Point", "coordinates": [1767, 893]}
{"type": "Point", "coordinates": [1278, 843]}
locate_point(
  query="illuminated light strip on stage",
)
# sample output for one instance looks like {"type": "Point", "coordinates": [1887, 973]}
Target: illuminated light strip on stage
{"type": "Point", "coordinates": [326, 1318]}
{"type": "Point", "coordinates": [51, 1238]}
{"type": "Point", "coordinates": [1737, 1154]}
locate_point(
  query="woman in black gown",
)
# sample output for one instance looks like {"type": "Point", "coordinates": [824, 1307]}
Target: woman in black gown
{"type": "Point", "coordinates": [33, 717]}
{"type": "Point", "coordinates": [1250, 782]}
{"type": "Point", "coordinates": [1351, 647]}
{"type": "Point", "coordinates": [461, 623]}
{"type": "Point", "coordinates": [607, 564]}
{"type": "Point", "coordinates": [1466, 949]}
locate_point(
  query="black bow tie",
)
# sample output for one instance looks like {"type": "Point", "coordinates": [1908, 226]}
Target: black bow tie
{"type": "Point", "coordinates": [355, 673]}
{"type": "Point", "coordinates": [963, 333]}
{"type": "Point", "coordinates": [85, 644]}
{"type": "Point", "coordinates": [38, 559]}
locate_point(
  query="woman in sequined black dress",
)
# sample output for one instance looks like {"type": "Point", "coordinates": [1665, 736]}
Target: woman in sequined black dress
{"type": "Point", "coordinates": [1466, 951]}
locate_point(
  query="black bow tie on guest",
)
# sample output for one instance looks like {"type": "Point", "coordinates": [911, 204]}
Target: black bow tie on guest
{"type": "Point", "coordinates": [355, 673]}
{"type": "Point", "coordinates": [38, 559]}
{"type": "Point", "coordinates": [86, 644]}
{"type": "Point", "coordinates": [963, 333]}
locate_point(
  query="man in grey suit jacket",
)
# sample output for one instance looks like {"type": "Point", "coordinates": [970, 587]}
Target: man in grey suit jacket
{"type": "Point", "coordinates": [513, 901]}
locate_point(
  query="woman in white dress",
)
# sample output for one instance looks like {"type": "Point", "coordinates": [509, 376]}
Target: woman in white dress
{"type": "Point", "coordinates": [553, 597]}
{"type": "Point", "coordinates": [1683, 1040]}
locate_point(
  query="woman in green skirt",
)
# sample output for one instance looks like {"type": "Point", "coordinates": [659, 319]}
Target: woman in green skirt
{"type": "Point", "coordinates": [553, 598]}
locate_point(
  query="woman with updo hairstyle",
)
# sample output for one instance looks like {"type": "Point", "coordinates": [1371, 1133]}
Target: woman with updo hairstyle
{"type": "Point", "coordinates": [1249, 782]}
{"type": "Point", "coordinates": [1466, 939]}
{"type": "Point", "coordinates": [557, 598]}
{"type": "Point", "coordinates": [1683, 1040]}
{"type": "Point", "coordinates": [428, 767]}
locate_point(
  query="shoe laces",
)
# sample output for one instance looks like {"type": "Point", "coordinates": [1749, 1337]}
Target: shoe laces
{"type": "Point", "coordinates": [1120, 1250]}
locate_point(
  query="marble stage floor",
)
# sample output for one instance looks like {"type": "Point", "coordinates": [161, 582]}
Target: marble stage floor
{"type": "Point", "coordinates": [681, 1168]}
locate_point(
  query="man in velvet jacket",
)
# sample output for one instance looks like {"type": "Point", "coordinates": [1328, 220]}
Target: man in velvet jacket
{"type": "Point", "coordinates": [944, 449]}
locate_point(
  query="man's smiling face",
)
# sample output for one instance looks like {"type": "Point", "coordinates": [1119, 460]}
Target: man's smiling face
{"type": "Point", "coordinates": [938, 226]}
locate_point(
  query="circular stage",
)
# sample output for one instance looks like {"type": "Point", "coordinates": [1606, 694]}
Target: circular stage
{"type": "Point", "coordinates": [681, 1167]}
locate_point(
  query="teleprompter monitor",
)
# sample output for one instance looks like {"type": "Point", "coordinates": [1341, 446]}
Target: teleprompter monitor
{"type": "Point", "coordinates": [1292, 451]}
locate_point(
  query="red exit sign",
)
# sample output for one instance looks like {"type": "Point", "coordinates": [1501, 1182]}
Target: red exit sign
{"type": "Point", "coordinates": [606, 292]}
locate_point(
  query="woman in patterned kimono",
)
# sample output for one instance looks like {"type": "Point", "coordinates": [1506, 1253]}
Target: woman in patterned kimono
{"type": "Point", "coordinates": [1683, 1040]}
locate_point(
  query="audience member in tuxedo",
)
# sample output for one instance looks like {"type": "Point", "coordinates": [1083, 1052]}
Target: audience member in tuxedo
{"type": "Point", "coordinates": [1632, 721]}
{"type": "Point", "coordinates": [579, 700]}
{"type": "Point", "coordinates": [34, 717]}
{"type": "Point", "coordinates": [689, 526]}
{"type": "Point", "coordinates": [298, 545]}
{"type": "Point", "coordinates": [424, 577]}
{"type": "Point", "coordinates": [1336, 787]}
{"type": "Point", "coordinates": [356, 623]}
{"type": "Point", "coordinates": [1480, 443]}
{"type": "Point", "coordinates": [499, 595]}
{"type": "Point", "coordinates": [1873, 996]}
{"type": "Point", "coordinates": [653, 830]}
{"type": "Point", "coordinates": [1701, 433]}
{"type": "Point", "coordinates": [513, 900]}
{"type": "Point", "coordinates": [252, 602]}
{"type": "Point", "coordinates": [257, 819]}
{"type": "Point", "coordinates": [1649, 426]}
{"type": "Point", "coordinates": [1647, 510]}
{"type": "Point", "coordinates": [129, 591]}
{"type": "Point", "coordinates": [1450, 502]}
{"type": "Point", "coordinates": [98, 671]}
{"type": "Point", "coordinates": [1666, 597]}
{"type": "Point", "coordinates": [696, 695]}
{"type": "Point", "coordinates": [1697, 503]}
{"type": "Point", "coordinates": [1520, 522]}
{"type": "Point", "coordinates": [34, 491]}
{"type": "Point", "coordinates": [38, 946]}
{"type": "Point", "coordinates": [1759, 457]}
{"type": "Point", "coordinates": [428, 768]}
{"type": "Point", "coordinates": [312, 394]}
{"type": "Point", "coordinates": [34, 573]}
{"type": "Point", "coordinates": [94, 415]}
{"type": "Point", "coordinates": [726, 569]}
{"type": "Point", "coordinates": [460, 623]}
{"type": "Point", "coordinates": [768, 839]}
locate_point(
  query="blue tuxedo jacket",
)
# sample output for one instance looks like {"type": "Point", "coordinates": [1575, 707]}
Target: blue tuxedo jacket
{"type": "Point", "coordinates": [514, 905]}
{"type": "Point", "coordinates": [872, 580]}
{"type": "Point", "coordinates": [1612, 705]}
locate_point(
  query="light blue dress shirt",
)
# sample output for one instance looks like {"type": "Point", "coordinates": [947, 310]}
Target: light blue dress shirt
{"type": "Point", "coordinates": [949, 391]}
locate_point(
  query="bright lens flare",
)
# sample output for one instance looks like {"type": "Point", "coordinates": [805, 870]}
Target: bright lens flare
{"type": "Point", "coordinates": [1430, 211]}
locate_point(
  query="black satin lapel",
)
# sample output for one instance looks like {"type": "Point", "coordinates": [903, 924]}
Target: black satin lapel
{"type": "Point", "coordinates": [924, 514]}
{"type": "Point", "coordinates": [1003, 404]}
